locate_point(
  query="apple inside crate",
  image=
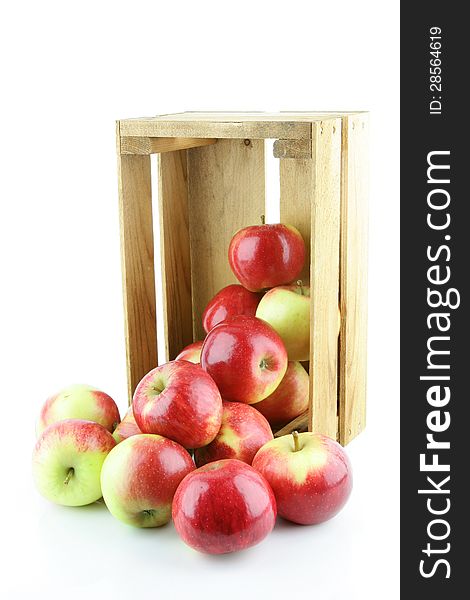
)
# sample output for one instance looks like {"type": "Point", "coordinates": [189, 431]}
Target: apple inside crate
{"type": "Point", "coordinates": [211, 178]}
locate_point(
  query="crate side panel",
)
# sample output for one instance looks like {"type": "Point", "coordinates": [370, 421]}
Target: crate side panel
{"type": "Point", "coordinates": [137, 253]}
{"type": "Point", "coordinates": [324, 267]}
{"type": "Point", "coordinates": [226, 191]}
{"type": "Point", "coordinates": [175, 254]}
{"type": "Point", "coordinates": [353, 280]}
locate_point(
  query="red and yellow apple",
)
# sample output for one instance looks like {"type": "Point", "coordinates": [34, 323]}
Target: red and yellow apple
{"type": "Point", "coordinates": [229, 302]}
{"type": "Point", "coordinates": [140, 476]}
{"type": "Point", "coordinates": [289, 399]}
{"type": "Point", "coordinates": [264, 256]}
{"type": "Point", "coordinates": [245, 357]}
{"type": "Point", "coordinates": [223, 507]}
{"type": "Point", "coordinates": [127, 427]}
{"type": "Point", "coordinates": [309, 474]}
{"type": "Point", "coordinates": [191, 352]}
{"type": "Point", "coordinates": [79, 401]}
{"type": "Point", "coordinates": [180, 401]}
{"type": "Point", "coordinates": [287, 310]}
{"type": "Point", "coordinates": [242, 433]}
{"type": "Point", "coordinates": [67, 461]}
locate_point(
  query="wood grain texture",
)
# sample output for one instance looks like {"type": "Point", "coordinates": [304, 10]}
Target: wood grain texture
{"type": "Point", "coordinates": [260, 116]}
{"type": "Point", "coordinates": [324, 267]}
{"type": "Point", "coordinates": [299, 424]}
{"type": "Point", "coordinates": [175, 252]}
{"type": "Point", "coordinates": [353, 278]}
{"type": "Point", "coordinates": [226, 192]}
{"type": "Point", "coordinates": [256, 125]}
{"type": "Point", "coordinates": [297, 178]}
{"type": "Point", "coordinates": [292, 149]}
{"type": "Point", "coordinates": [242, 129]}
{"type": "Point", "coordinates": [156, 145]}
{"type": "Point", "coordinates": [137, 250]}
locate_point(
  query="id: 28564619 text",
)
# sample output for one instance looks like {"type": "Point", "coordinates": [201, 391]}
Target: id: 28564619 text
{"type": "Point", "coordinates": [435, 70]}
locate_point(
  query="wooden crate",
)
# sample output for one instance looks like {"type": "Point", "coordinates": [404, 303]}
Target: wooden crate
{"type": "Point", "coordinates": [211, 183]}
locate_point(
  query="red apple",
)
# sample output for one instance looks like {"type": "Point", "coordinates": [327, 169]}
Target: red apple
{"type": "Point", "coordinates": [231, 301]}
{"type": "Point", "coordinates": [289, 399]}
{"type": "Point", "coordinates": [242, 433]}
{"type": "Point", "coordinates": [264, 256]}
{"type": "Point", "coordinates": [245, 357]}
{"type": "Point", "coordinates": [127, 427]}
{"type": "Point", "coordinates": [223, 507]}
{"type": "Point", "coordinates": [180, 401]}
{"type": "Point", "coordinates": [310, 476]}
{"type": "Point", "coordinates": [191, 352]}
{"type": "Point", "coordinates": [140, 476]}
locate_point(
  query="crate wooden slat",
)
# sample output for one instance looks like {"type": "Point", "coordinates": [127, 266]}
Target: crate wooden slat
{"type": "Point", "coordinates": [211, 183]}
{"type": "Point", "coordinates": [296, 193]}
{"type": "Point", "coordinates": [175, 252]}
{"type": "Point", "coordinates": [292, 149]}
{"type": "Point", "coordinates": [154, 145]}
{"type": "Point", "coordinates": [324, 275]}
{"type": "Point", "coordinates": [257, 116]}
{"type": "Point", "coordinates": [310, 200]}
{"type": "Point", "coordinates": [353, 280]}
{"type": "Point", "coordinates": [226, 193]}
{"type": "Point", "coordinates": [223, 129]}
{"type": "Point", "coordinates": [137, 252]}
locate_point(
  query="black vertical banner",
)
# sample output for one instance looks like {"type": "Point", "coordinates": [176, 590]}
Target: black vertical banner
{"type": "Point", "coordinates": [435, 269]}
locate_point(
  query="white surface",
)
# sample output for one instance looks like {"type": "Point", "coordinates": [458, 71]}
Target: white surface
{"type": "Point", "coordinates": [69, 71]}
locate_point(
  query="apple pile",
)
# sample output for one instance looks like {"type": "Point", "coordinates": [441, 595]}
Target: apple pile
{"type": "Point", "coordinates": [197, 444]}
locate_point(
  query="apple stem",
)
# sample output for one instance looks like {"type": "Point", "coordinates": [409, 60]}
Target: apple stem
{"type": "Point", "coordinates": [299, 283]}
{"type": "Point", "coordinates": [295, 435]}
{"type": "Point", "coordinates": [263, 220]}
{"type": "Point", "coordinates": [69, 475]}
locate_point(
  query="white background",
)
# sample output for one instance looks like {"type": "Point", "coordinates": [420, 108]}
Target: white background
{"type": "Point", "coordinates": [68, 70]}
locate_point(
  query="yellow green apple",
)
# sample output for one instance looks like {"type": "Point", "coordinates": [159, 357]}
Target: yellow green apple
{"type": "Point", "coordinates": [287, 309]}
{"type": "Point", "coordinates": [67, 461]}
{"type": "Point", "coordinates": [79, 401]}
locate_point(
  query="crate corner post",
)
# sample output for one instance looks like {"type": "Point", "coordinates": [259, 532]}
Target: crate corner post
{"type": "Point", "coordinates": [325, 193]}
{"type": "Point", "coordinates": [353, 277]}
{"type": "Point", "coordinates": [137, 259]}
